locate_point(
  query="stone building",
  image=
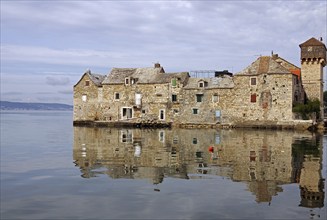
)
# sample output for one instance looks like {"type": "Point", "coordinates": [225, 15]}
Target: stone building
{"type": "Point", "coordinates": [261, 95]}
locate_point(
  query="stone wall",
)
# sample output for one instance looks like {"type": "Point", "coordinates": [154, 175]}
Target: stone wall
{"type": "Point", "coordinates": [272, 105]}
{"type": "Point", "coordinates": [86, 102]}
{"type": "Point", "coordinates": [312, 77]}
{"type": "Point", "coordinates": [268, 102]}
{"type": "Point", "coordinates": [154, 97]}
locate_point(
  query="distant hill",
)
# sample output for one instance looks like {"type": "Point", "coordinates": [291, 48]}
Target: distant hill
{"type": "Point", "coordinates": [34, 106]}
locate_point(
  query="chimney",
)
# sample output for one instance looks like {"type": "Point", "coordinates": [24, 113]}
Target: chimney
{"type": "Point", "coordinates": [157, 65]}
{"type": "Point", "coordinates": [275, 56]}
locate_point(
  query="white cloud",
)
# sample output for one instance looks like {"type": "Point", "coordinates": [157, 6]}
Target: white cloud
{"type": "Point", "coordinates": [57, 81]}
{"type": "Point", "coordinates": [56, 56]}
{"type": "Point", "coordinates": [181, 35]}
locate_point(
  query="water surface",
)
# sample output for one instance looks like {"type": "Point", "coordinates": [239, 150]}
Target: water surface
{"type": "Point", "coordinates": [52, 170]}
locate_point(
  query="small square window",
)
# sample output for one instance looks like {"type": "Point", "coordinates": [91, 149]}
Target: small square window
{"type": "Point", "coordinates": [174, 98]}
{"type": "Point", "coordinates": [87, 83]}
{"type": "Point", "coordinates": [253, 81]}
{"type": "Point", "coordinates": [84, 98]}
{"type": "Point", "coordinates": [195, 111]}
{"type": "Point", "coordinates": [195, 141]}
{"type": "Point", "coordinates": [117, 96]}
{"type": "Point", "coordinates": [199, 97]}
{"type": "Point", "coordinates": [161, 136]}
{"type": "Point", "coordinates": [201, 85]}
{"type": "Point", "coordinates": [162, 114]}
{"type": "Point", "coordinates": [254, 98]}
{"type": "Point", "coordinates": [215, 98]}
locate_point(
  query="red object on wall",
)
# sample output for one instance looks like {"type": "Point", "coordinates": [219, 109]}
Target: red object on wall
{"type": "Point", "coordinates": [211, 149]}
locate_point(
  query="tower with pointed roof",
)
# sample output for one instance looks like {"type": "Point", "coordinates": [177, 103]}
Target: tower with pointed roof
{"type": "Point", "coordinates": [313, 59]}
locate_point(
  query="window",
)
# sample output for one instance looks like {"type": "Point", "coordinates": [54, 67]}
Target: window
{"type": "Point", "coordinates": [215, 98]}
{"type": "Point", "coordinates": [199, 97]}
{"type": "Point", "coordinates": [126, 136]}
{"type": "Point", "coordinates": [252, 155]}
{"type": "Point", "coordinates": [296, 97]}
{"type": "Point", "coordinates": [195, 111]}
{"type": "Point", "coordinates": [87, 83]}
{"type": "Point", "coordinates": [126, 81]}
{"type": "Point", "coordinates": [217, 139]}
{"type": "Point", "coordinates": [173, 82]}
{"type": "Point", "coordinates": [84, 98]}
{"type": "Point", "coordinates": [175, 140]}
{"type": "Point", "coordinates": [195, 141]}
{"type": "Point", "coordinates": [138, 99]}
{"type": "Point", "coordinates": [253, 81]}
{"type": "Point", "coordinates": [203, 84]}
{"type": "Point", "coordinates": [174, 98]}
{"type": "Point", "coordinates": [117, 96]}
{"type": "Point", "coordinates": [127, 113]}
{"type": "Point", "coordinates": [217, 113]}
{"type": "Point", "coordinates": [162, 136]}
{"type": "Point", "coordinates": [162, 114]}
{"type": "Point", "coordinates": [254, 98]}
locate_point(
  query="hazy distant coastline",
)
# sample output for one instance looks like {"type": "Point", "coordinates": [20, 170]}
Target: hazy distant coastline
{"type": "Point", "coordinates": [5, 105]}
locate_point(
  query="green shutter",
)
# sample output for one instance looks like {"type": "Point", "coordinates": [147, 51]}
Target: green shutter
{"type": "Point", "coordinates": [173, 82]}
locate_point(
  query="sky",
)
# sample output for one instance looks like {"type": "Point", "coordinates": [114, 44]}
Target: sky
{"type": "Point", "coordinates": [46, 46]}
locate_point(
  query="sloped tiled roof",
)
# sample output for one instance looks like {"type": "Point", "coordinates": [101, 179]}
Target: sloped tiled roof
{"type": "Point", "coordinates": [290, 66]}
{"type": "Point", "coordinates": [167, 77]}
{"type": "Point", "coordinates": [143, 75]}
{"type": "Point", "coordinates": [312, 42]}
{"type": "Point", "coordinates": [96, 78]}
{"type": "Point", "coordinates": [118, 75]}
{"type": "Point", "coordinates": [214, 82]}
{"type": "Point", "coordinates": [264, 64]}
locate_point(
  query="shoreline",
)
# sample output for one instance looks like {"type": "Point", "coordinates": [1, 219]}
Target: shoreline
{"type": "Point", "coordinates": [295, 125]}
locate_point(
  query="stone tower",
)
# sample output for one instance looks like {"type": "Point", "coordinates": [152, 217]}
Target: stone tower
{"type": "Point", "coordinates": [313, 59]}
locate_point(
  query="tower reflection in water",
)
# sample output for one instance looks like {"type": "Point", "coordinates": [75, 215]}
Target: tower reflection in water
{"type": "Point", "coordinates": [264, 160]}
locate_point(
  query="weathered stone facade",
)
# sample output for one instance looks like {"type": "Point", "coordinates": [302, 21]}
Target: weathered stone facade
{"type": "Point", "coordinates": [313, 59]}
{"type": "Point", "coordinates": [263, 95]}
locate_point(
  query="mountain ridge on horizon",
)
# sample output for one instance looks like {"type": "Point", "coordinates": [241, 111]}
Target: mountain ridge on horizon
{"type": "Point", "coordinates": [8, 105]}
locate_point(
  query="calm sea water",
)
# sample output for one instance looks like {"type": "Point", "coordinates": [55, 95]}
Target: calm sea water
{"type": "Point", "coordinates": [51, 170]}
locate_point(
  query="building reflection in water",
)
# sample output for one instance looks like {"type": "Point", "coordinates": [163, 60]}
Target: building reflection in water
{"type": "Point", "coordinates": [264, 160]}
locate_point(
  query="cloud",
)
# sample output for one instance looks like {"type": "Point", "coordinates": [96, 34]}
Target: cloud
{"type": "Point", "coordinates": [57, 81]}
{"type": "Point", "coordinates": [12, 93]}
{"type": "Point", "coordinates": [63, 39]}
{"type": "Point", "coordinates": [66, 92]}
{"type": "Point", "coordinates": [184, 35]}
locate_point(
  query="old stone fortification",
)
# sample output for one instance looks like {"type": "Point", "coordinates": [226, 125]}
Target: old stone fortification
{"type": "Point", "coordinates": [261, 95]}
